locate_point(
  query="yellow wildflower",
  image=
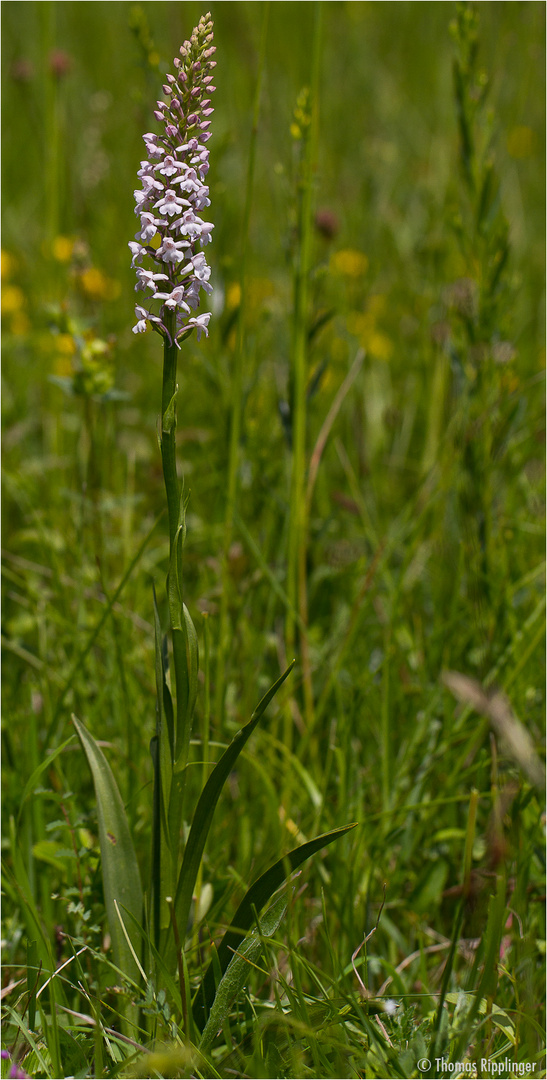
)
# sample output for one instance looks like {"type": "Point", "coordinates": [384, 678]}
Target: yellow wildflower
{"type": "Point", "coordinates": [380, 346]}
{"type": "Point", "coordinates": [349, 263]}
{"type": "Point", "coordinates": [13, 299]}
{"type": "Point", "coordinates": [259, 290]}
{"type": "Point", "coordinates": [233, 295]}
{"type": "Point", "coordinates": [65, 344]}
{"type": "Point", "coordinates": [96, 286]}
{"type": "Point", "coordinates": [8, 264]}
{"type": "Point", "coordinates": [62, 248]}
{"type": "Point", "coordinates": [20, 325]}
{"type": "Point", "coordinates": [363, 325]}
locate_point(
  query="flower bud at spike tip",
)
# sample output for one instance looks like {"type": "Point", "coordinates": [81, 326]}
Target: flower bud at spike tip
{"type": "Point", "coordinates": [174, 193]}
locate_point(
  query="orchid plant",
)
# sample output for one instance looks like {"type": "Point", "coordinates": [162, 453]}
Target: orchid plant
{"type": "Point", "coordinates": [148, 926]}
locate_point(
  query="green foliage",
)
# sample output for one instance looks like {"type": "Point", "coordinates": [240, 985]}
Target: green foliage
{"type": "Point", "coordinates": [360, 476]}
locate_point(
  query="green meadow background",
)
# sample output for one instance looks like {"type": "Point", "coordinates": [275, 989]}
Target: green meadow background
{"type": "Point", "coordinates": [421, 552]}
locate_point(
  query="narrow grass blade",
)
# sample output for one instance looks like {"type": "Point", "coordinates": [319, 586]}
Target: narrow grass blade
{"type": "Point", "coordinates": [35, 776]}
{"type": "Point", "coordinates": [254, 899]}
{"type": "Point", "coordinates": [205, 808]}
{"type": "Point", "coordinates": [121, 877]}
{"type": "Point", "coordinates": [16, 882]}
{"type": "Point", "coordinates": [82, 655]}
{"type": "Point", "coordinates": [33, 973]}
{"type": "Point", "coordinates": [497, 914]}
{"type": "Point", "coordinates": [162, 751]}
{"type": "Point", "coordinates": [237, 971]}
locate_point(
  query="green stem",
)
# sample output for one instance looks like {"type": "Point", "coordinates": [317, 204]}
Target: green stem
{"type": "Point", "coordinates": [168, 430]}
{"type": "Point", "coordinates": [51, 128]}
{"type": "Point", "coordinates": [386, 734]}
{"type": "Point", "coordinates": [298, 524]}
{"type": "Point", "coordinates": [173, 493]}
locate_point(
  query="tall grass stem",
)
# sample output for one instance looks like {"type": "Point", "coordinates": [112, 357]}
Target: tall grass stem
{"type": "Point", "coordinates": [237, 380]}
{"type": "Point", "coordinates": [298, 517]}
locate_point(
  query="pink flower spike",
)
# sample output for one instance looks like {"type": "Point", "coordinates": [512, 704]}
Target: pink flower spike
{"type": "Point", "coordinates": [173, 194]}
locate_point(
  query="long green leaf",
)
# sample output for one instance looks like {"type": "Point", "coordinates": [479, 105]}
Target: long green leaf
{"type": "Point", "coordinates": [205, 808]}
{"type": "Point", "coordinates": [254, 899]}
{"type": "Point", "coordinates": [237, 971]}
{"type": "Point", "coordinates": [121, 877]}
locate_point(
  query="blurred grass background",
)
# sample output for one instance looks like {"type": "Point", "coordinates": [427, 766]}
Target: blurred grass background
{"type": "Point", "coordinates": [390, 606]}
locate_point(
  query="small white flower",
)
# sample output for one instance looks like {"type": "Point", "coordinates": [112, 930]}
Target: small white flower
{"type": "Point", "coordinates": [151, 143]}
{"type": "Point", "coordinates": [141, 326]}
{"type": "Point", "coordinates": [205, 234]}
{"type": "Point", "coordinates": [142, 200]}
{"type": "Point", "coordinates": [171, 251]}
{"type": "Point", "coordinates": [201, 323]}
{"type": "Point", "coordinates": [192, 294]}
{"type": "Point", "coordinates": [169, 204]}
{"type": "Point", "coordinates": [147, 279]}
{"type": "Point", "coordinates": [149, 228]}
{"type": "Point", "coordinates": [189, 181]}
{"type": "Point", "coordinates": [189, 224]}
{"type": "Point", "coordinates": [137, 251]}
{"type": "Point", "coordinates": [201, 268]}
{"type": "Point", "coordinates": [390, 1007]}
{"type": "Point", "coordinates": [146, 169]}
{"type": "Point", "coordinates": [169, 167]}
{"type": "Point", "coordinates": [202, 198]}
{"type": "Point", "coordinates": [174, 299]}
